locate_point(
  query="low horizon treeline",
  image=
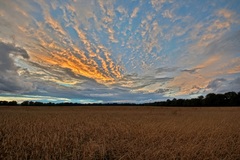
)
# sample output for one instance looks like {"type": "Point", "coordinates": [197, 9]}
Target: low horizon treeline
{"type": "Point", "coordinates": [211, 99]}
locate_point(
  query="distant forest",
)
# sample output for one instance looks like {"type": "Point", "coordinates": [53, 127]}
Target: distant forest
{"type": "Point", "coordinates": [211, 99]}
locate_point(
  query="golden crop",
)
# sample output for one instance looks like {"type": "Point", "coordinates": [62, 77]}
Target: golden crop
{"type": "Point", "coordinates": [119, 133]}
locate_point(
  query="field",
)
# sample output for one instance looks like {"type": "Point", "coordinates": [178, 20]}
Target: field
{"type": "Point", "coordinates": [119, 133]}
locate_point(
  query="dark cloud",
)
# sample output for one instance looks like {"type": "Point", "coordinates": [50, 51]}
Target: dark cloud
{"type": "Point", "coordinates": [222, 85]}
{"type": "Point", "coordinates": [162, 90]}
{"type": "Point", "coordinates": [166, 69]}
{"type": "Point", "coordinates": [235, 85]}
{"type": "Point", "coordinates": [150, 79]}
{"type": "Point", "coordinates": [6, 62]}
{"type": "Point", "coordinates": [10, 81]}
{"type": "Point", "coordinates": [216, 84]}
{"type": "Point", "coordinates": [191, 71]}
{"type": "Point", "coordinates": [94, 92]}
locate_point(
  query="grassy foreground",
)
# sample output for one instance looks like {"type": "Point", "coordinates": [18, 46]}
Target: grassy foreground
{"type": "Point", "coordinates": [119, 133]}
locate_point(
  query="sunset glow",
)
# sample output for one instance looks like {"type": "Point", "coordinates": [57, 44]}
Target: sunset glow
{"type": "Point", "coordinates": [106, 51]}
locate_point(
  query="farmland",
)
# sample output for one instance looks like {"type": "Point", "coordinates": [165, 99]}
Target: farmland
{"type": "Point", "coordinates": [119, 132]}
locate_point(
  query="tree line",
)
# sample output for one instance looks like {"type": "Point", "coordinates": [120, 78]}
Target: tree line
{"type": "Point", "coordinates": [211, 99]}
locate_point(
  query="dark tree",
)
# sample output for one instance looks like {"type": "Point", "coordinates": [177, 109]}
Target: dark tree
{"type": "Point", "coordinates": [231, 98]}
{"type": "Point", "coordinates": [25, 103]}
{"type": "Point", "coordinates": [210, 99]}
{"type": "Point", "coordinates": [12, 103]}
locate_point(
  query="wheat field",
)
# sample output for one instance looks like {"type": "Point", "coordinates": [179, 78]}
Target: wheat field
{"type": "Point", "coordinates": [119, 133]}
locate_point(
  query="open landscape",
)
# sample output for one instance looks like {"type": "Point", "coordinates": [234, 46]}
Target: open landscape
{"type": "Point", "coordinates": [108, 79]}
{"type": "Point", "coordinates": [119, 132]}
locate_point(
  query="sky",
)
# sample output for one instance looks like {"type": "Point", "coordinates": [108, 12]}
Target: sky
{"type": "Point", "coordinates": [113, 51]}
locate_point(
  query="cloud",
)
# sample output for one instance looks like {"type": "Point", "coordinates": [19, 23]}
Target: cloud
{"type": "Point", "coordinates": [235, 85]}
{"type": "Point", "coordinates": [10, 81]}
{"type": "Point", "coordinates": [219, 59]}
{"type": "Point", "coordinates": [225, 13]}
{"type": "Point", "coordinates": [143, 84]}
{"type": "Point", "coordinates": [21, 98]}
{"type": "Point", "coordinates": [108, 50]}
{"type": "Point", "coordinates": [84, 11]}
{"type": "Point", "coordinates": [151, 33]}
{"type": "Point", "coordinates": [233, 66]}
{"type": "Point", "coordinates": [167, 14]}
{"type": "Point", "coordinates": [82, 62]}
{"type": "Point", "coordinates": [191, 71]}
{"type": "Point", "coordinates": [186, 83]}
{"type": "Point", "coordinates": [162, 91]}
{"type": "Point", "coordinates": [122, 10]}
{"type": "Point", "coordinates": [222, 85]}
{"type": "Point", "coordinates": [52, 45]}
{"type": "Point", "coordinates": [157, 4]}
{"type": "Point", "coordinates": [134, 13]}
{"type": "Point", "coordinates": [91, 91]}
{"type": "Point", "coordinates": [166, 69]}
{"type": "Point", "coordinates": [213, 29]}
{"type": "Point", "coordinates": [216, 84]}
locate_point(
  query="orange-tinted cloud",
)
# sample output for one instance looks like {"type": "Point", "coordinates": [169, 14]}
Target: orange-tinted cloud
{"type": "Point", "coordinates": [54, 48]}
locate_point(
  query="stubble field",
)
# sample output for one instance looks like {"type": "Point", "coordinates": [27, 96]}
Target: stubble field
{"type": "Point", "coordinates": [119, 133]}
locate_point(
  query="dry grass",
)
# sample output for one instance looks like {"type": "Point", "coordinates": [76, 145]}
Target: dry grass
{"type": "Point", "coordinates": [119, 133]}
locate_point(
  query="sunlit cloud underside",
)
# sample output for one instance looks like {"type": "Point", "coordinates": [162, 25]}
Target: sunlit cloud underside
{"type": "Point", "coordinates": [118, 51]}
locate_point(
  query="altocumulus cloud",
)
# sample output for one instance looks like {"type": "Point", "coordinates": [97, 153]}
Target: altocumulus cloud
{"type": "Point", "coordinates": [116, 51]}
